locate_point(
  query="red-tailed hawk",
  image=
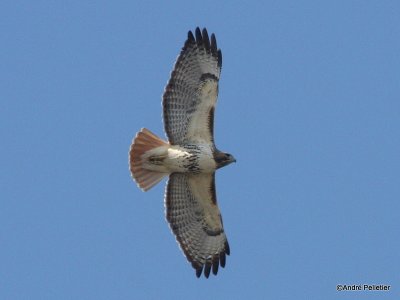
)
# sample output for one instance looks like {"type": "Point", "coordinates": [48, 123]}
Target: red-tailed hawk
{"type": "Point", "coordinates": [190, 158]}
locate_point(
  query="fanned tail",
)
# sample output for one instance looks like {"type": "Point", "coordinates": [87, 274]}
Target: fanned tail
{"type": "Point", "coordinates": [144, 141]}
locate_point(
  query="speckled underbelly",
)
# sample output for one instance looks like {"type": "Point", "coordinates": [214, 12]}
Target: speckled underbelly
{"type": "Point", "coordinates": [190, 159]}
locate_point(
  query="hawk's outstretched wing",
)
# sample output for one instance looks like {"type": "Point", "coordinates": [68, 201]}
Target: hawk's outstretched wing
{"type": "Point", "coordinates": [194, 217]}
{"type": "Point", "coordinates": [191, 93]}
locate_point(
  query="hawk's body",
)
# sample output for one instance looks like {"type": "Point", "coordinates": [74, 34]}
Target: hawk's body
{"type": "Point", "coordinates": [185, 158]}
{"type": "Point", "coordinates": [191, 158]}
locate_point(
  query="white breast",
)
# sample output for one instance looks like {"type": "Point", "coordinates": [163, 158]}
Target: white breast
{"type": "Point", "coordinates": [206, 159]}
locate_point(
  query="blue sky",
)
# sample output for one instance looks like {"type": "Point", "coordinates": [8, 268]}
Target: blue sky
{"type": "Point", "coordinates": [309, 105]}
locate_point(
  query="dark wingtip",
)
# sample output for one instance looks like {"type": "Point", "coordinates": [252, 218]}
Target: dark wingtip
{"type": "Point", "coordinates": [198, 271]}
{"type": "Point", "coordinates": [199, 38]}
{"type": "Point", "coordinates": [190, 36]}
{"type": "Point", "coordinates": [215, 266]}
{"type": "Point", "coordinates": [207, 269]}
{"type": "Point", "coordinates": [202, 39]}
{"type": "Point", "coordinates": [212, 265]}
{"type": "Point", "coordinates": [213, 45]}
{"type": "Point", "coordinates": [222, 259]}
{"type": "Point", "coordinates": [206, 40]}
{"type": "Point", "coordinates": [227, 249]}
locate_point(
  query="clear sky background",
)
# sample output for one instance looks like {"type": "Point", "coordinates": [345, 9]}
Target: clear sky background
{"type": "Point", "coordinates": [309, 105]}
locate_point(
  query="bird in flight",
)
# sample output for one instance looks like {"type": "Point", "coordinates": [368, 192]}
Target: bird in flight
{"type": "Point", "coordinates": [190, 157]}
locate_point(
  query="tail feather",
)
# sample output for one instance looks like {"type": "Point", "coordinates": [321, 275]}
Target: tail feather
{"type": "Point", "coordinates": [144, 141]}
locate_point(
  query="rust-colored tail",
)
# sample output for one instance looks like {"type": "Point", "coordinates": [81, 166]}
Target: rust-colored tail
{"type": "Point", "coordinates": [144, 141]}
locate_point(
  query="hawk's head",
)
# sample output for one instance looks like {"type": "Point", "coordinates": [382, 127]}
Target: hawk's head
{"type": "Point", "coordinates": [223, 159]}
